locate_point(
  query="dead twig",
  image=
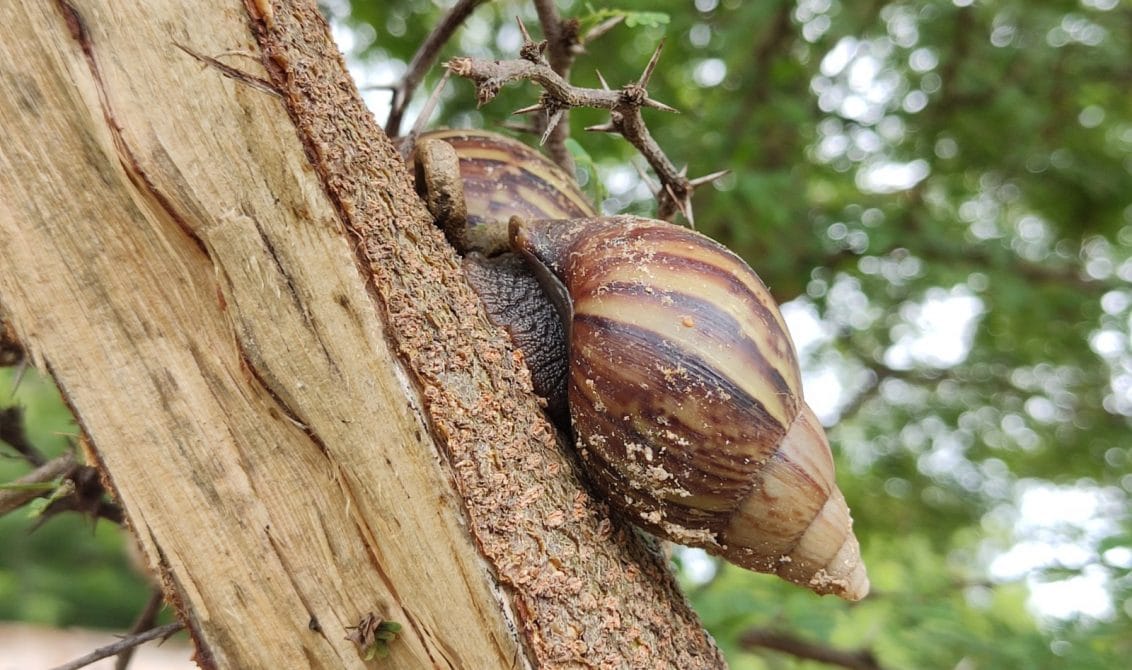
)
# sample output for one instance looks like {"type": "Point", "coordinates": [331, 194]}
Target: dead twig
{"type": "Point", "coordinates": [144, 622]}
{"type": "Point", "coordinates": [423, 59]}
{"type": "Point", "coordinates": [624, 106]}
{"type": "Point", "coordinates": [231, 72]}
{"type": "Point", "coordinates": [127, 642]}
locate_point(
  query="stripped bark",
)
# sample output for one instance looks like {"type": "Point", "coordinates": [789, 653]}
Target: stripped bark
{"type": "Point", "coordinates": [281, 371]}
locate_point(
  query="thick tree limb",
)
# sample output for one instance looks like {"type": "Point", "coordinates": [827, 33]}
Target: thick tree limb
{"type": "Point", "coordinates": [547, 541]}
{"type": "Point", "coordinates": [283, 374]}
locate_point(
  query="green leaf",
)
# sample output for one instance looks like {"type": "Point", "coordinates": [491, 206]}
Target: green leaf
{"type": "Point", "coordinates": [633, 19]}
{"type": "Point", "coordinates": [390, 627]}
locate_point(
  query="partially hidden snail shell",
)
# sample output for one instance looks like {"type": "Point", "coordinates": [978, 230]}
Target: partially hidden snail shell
{"type": "Point", "coordinates": [685, 398]}
{"type": "Point", "coordinates": [496, 178]}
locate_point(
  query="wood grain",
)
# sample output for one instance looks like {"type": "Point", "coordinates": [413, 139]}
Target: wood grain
{"type": "Point", "coordinates": [171, 260]}
{"type": "Point", "coordinates": [292, 390]}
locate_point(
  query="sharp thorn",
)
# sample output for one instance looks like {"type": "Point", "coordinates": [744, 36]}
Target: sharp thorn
{"type": "Point", "coordinates": [523, 29]}
{"type": "Point", "coordinates": [606, 127]}
{"type": "Point", "coordinates": [550, 124]}
{"type": "Point", "coordinates": [604, 84]}
{"type": "Point", "coordinates": [649, 183]}
{"type": "Point", "coordinates": [21, 369]}
{"type": "Point", "coordinates": [647, 74]}
{"type": "Point", "coordinates": [537, 107]}
{"type": "Point", "coordinates": [519, 127]}
{"type": "Point", "coordinates": [654, 104]}
{"type": "Point", "coordinates": [708, 178]}
{"type": "Point", "coordinates": [682, 205]}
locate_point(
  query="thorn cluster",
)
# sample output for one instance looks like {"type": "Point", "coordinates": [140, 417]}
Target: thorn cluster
{"type": "Point", "coordinates": [673, 193]}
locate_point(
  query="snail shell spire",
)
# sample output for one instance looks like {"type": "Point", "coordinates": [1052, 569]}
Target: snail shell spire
{"type": "Point", "coordinates": [686, 399]}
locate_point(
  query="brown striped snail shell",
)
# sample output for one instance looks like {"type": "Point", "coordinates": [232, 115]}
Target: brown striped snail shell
{"type": "Point", "coordinates": [684, 391]}
{"type": "Point", "coordinates": [474, 181]}
{"type": "Point", "coordinates": [686, 400]}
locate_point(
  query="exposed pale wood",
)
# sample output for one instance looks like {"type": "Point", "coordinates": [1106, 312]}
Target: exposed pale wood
{"type": "Point", "coordinates": [174, 260]}
{"type": "Point", "coordinates": [265, 513]}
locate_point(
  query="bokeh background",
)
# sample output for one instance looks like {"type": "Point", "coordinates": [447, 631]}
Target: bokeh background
{"type": "Point", "coordinates": [940, 194]}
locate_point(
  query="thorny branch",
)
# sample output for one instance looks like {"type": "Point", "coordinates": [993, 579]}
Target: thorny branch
{"type": "Point", "coordinates": [624, 105]}
{"type": "Point", "coordinates": [84, 493]}
{"type": "Point", "coordinates": [29, 487]}
{"type": "Point", "coordinates": [144, 622]}
{"type": "Point", "coordinates": [562, 46]}
{"type": "Point", "coordinates": [68, 486]}
{"type": "Point", "coordinates": [109, 650]}
{"type": "Point", "coordinates": [80, 489]}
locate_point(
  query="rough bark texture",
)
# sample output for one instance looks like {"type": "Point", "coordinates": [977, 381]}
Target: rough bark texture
{"type": "Point", "coordinates": [198, 263]}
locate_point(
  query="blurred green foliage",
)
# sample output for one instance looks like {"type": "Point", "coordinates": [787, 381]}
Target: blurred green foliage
{"type": "Point", "coordinates": [941, 192]}
{"type": "Point", "coordinates": [70, 571]}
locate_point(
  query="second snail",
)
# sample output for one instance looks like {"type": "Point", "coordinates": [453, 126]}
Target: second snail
{"type": "Point", "coordinates": [662, 352]}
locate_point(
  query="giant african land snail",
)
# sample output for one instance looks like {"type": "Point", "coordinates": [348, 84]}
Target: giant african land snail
{"type": "Point", "coordinates": [682, 384]}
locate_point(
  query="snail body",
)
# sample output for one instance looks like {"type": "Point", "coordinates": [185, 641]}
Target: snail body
{"type": "Point", "coordinates": [686, 401]}
{"type": "Point", "coordinates": [670, 362]}
{"type": "Point", "coordinates": [473, 182]}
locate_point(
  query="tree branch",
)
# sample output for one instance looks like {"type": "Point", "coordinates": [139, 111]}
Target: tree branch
{"type": "Point", "coordinates": [26, 488]}
{"type": "Point", "coordinates": [424, 58]}
{"type": "Point", "coordinates": [624, 105]}
{"type": "Point", "coordinates": [144, 622]}
{"type": "Point", "coordinates": [13, 432]}
{"type": "Point", "coordinates": [125, 643]}
{"type": "Point", "coordinates": [562, 46]}
{"type": "Point", "coordinates": [307, 373]}
{"type": "Point", "coordinates": [861, 659]}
